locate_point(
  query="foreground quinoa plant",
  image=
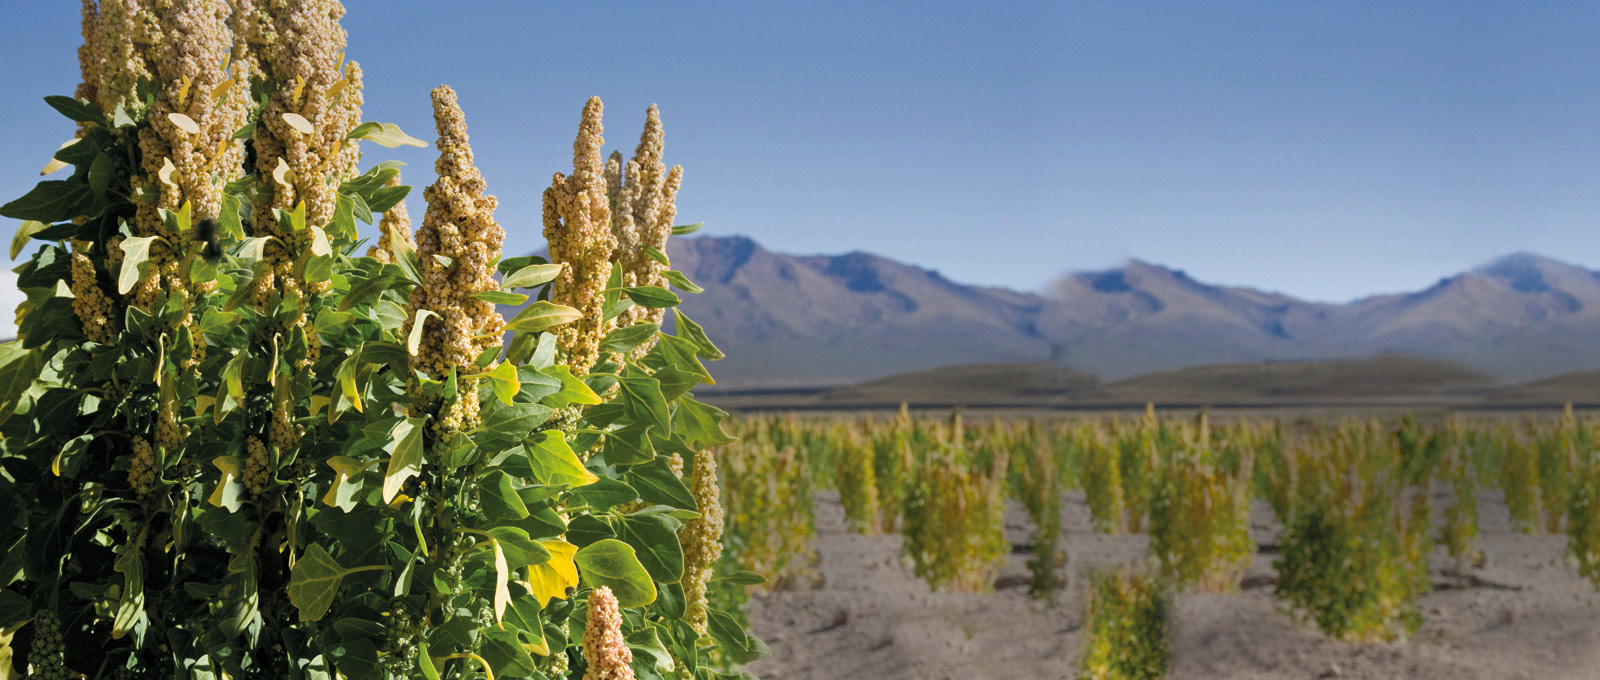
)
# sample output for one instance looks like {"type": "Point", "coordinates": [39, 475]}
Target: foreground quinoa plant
{"type": "Point", "coordinates": [233, 446]}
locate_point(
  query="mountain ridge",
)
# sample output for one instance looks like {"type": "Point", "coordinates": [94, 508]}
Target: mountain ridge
{"type": "Point", "coordinates": [828, 320]}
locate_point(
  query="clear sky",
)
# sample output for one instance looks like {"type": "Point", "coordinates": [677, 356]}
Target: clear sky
{"type": "Point", "coordinates": [1328, 150]}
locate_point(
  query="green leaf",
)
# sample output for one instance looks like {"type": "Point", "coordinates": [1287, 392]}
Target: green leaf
{"type": "Point", "coordinates": [532, 276]}
{"type": "Point", "coordinates": [737, 644]}
{"type": "Point", "coordinates": [498, 497]}
{"type": "Point", "coordinates": [385, 134]}
{"type": "Point", "coordinates": [654, 297]}
{"type": "Point", "coordinates": [657, 485]}
{"type": "Point", "coordinates": [614, 564]}
{"type": "Point", "coordinates": [521, 551]}
{"type": "Point", "coordinates": [19, 367]}
{"type": "Point", "coordinates": [53, 201]}
{"type": "Point", "coordinates": [510, 423]}
{"type": "Point", "coordinates": [691, 331]}
{"type": "Point", "coordinates": [573, 390]}
{"type": "Point", "coordinates": [405, 461]}
{"type": "Point", "coordinates": [505, 654]}
{"type": "Point", "coordinates": [628, 337]}
{"type": "Point", "coordinates": [654, 537]}
{"type": "Point", "coordinates": [500, 297]}
{"type": "Point", "coordinates": [79, 111]}
{"type": "Point", "coordinates": [554, 463]}
{"type": "Point", "coordinates": [642, 398]}
{"type": "Point", "coordinates": [686, 229]}
{"type": "Point", "coordinates": [700, 424]}
{"type": "Point", "coordinates": [136, 251]}
{"type": "Point", "coordinates": [683, 283]}
{"type": "Point", "coordinates": [314, 581]}
{"type": "Point", "coordinates": [605, 494]}
{"type": "Point", "coordinates": [542, 315]}
{"type": "Point", "coordinates": [741, 578]}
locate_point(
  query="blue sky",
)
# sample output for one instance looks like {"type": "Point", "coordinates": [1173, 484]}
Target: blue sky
{"type": "Point", "coordinates": [1327, 150]}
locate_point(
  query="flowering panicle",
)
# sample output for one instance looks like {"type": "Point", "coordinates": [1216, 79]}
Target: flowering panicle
{"type": "Point", "coordinates": [701, 538]}
{"type": "Point", "coordinates": [603, 647]}
{"type": "Point", "coordinates": [90, 303]}
{"type": "Point", "coordinates": [396, 222]}
{"type": "Point", "coordinates": [142, 471]}
{"type": "Point", "coordinates": [577, 224]}
{"type": "Point", "coordinates": [89, 55]}
{"type": "Point", "coordinates": [458, 226]}
{"type": "Point", "coordinates": [644, 194]}
{"type": "Point", "coordinates": [300, 140]}
{"type": "Point", "coordinates": [126, 35]}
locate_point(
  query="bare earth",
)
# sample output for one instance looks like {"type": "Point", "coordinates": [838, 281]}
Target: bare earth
{"type": "Point", "coordinates": [1527, 614]}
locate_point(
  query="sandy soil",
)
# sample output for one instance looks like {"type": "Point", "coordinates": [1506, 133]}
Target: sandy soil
{"type": "Point", "coordinates": [1525, 614]}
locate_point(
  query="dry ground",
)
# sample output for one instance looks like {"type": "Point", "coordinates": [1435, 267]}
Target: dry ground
{"type": "Point", "coordinates": [1528, 616]}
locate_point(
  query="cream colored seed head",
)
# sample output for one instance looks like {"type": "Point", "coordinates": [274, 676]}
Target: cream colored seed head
{"type": "Point", "coordinates": [577, 225]}
{"type": "Point", "coordinates": [89, 55]}
{"type": "Point", "coordinates": [645, 204]}
{"type": "Point", "coordinates": [603, 647]}
{"type": "Point", "coordinates": [93, 307]}
{"type": "Point", "coordinates": [142, 470]}
{"type": "Point", "coordinates": [459, 225]}
{"type": "Point", "coordinates": [701, 538]}
{"type": "Point", "coordinates": [256, 474]}
{"type": "Point", "coordinates": [123, 58]}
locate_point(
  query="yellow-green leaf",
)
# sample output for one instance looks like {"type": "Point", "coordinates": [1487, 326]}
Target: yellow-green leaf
{"type": "Point", "coordinates": [184, 123]}
{"type": "Point", "coordinates": [550, 581]}
{"type": "Point", "coordinates": [542, 315]}
{"type": "Point", "coordinates": [405, 461]}
{"type": "Point", "coordinates": [299, 123]}
{"type": "Point", "coordinates": [612, 563]}
{"type": "Point", "coordinates": [227, 494]}
{"type": "Point", "coordinates": [25, 232]}
{"type": "Point", "coordinates": [554, 463]}
{"type": "Point", "coordinates": [55, 164]}
{"type": "Point", "coordinates": [342, 494]}
{"type": "Point", "coordinates": [414, 341]}
{"type": "Point", "coordinates": [505, 382]}
{"type": "Point", "coordinates": [386, 134]}
{"type": "Point", "coordinates": [135, 252]}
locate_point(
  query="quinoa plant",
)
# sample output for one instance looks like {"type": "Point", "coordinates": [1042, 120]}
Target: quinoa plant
{"type": "Point", "coordinates": [1128, 629]}
{"type": "Point", "coordinates": [769, 522]}
{"type": "Point", "coordinates": [1583, 520]}
{"type": "Point", "coordinates": [856, 478]}
{"type": "Point", "coordinates": [955, 514]}
{"type": "Point", "coordinates": [233, 446]}
{"type": "Point", "coordinates": [1101, 478]}
{"type": "Point", "coordinates": [1041, 493]}
{"type": "Point", "coordinates": [1354, 556]}
{"type": "Point", "coordinates": [1200, 521]}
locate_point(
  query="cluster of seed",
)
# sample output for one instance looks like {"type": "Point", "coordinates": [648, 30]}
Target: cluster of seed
{"type": "Point", "coordinates": [458, 226]}
{"type": "Point", "coordinates": [577, 225]}
{"type": "Point", "coordinates": [396, 221]}
{"type": "Point", "coordinates": [644, 195]}
{"type": "Point", "coordinates": [256, 474]}
{"type": "Point", "coordinates": [297, 45]}
{"type": "Point", "coordinates": [603, 647]}
{"type": "Point", "coordinates": [462, 414]}
{"type": "Point", "coordinates": [120, 54]}
{"type": "Point", "coordinates": [45, 655]}
{"type": "Point", "coordinates": [190, 64]}
{"type": "Point", "coordinates": [89, 54]}
{"type": "Point", "coordinates": [281, 432]}
{"type": "Point", "coordinates": [91, 304]}
{"type": "Point", "coordinates": [701, 538]}
{"type": "Point", "coordinates": [168, 434]}
{"type": "Point", "coordinates": [142, 471]}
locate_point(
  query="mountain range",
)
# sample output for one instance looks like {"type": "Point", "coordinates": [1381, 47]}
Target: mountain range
{"type": "Point", "coordinates": [818, 320]}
